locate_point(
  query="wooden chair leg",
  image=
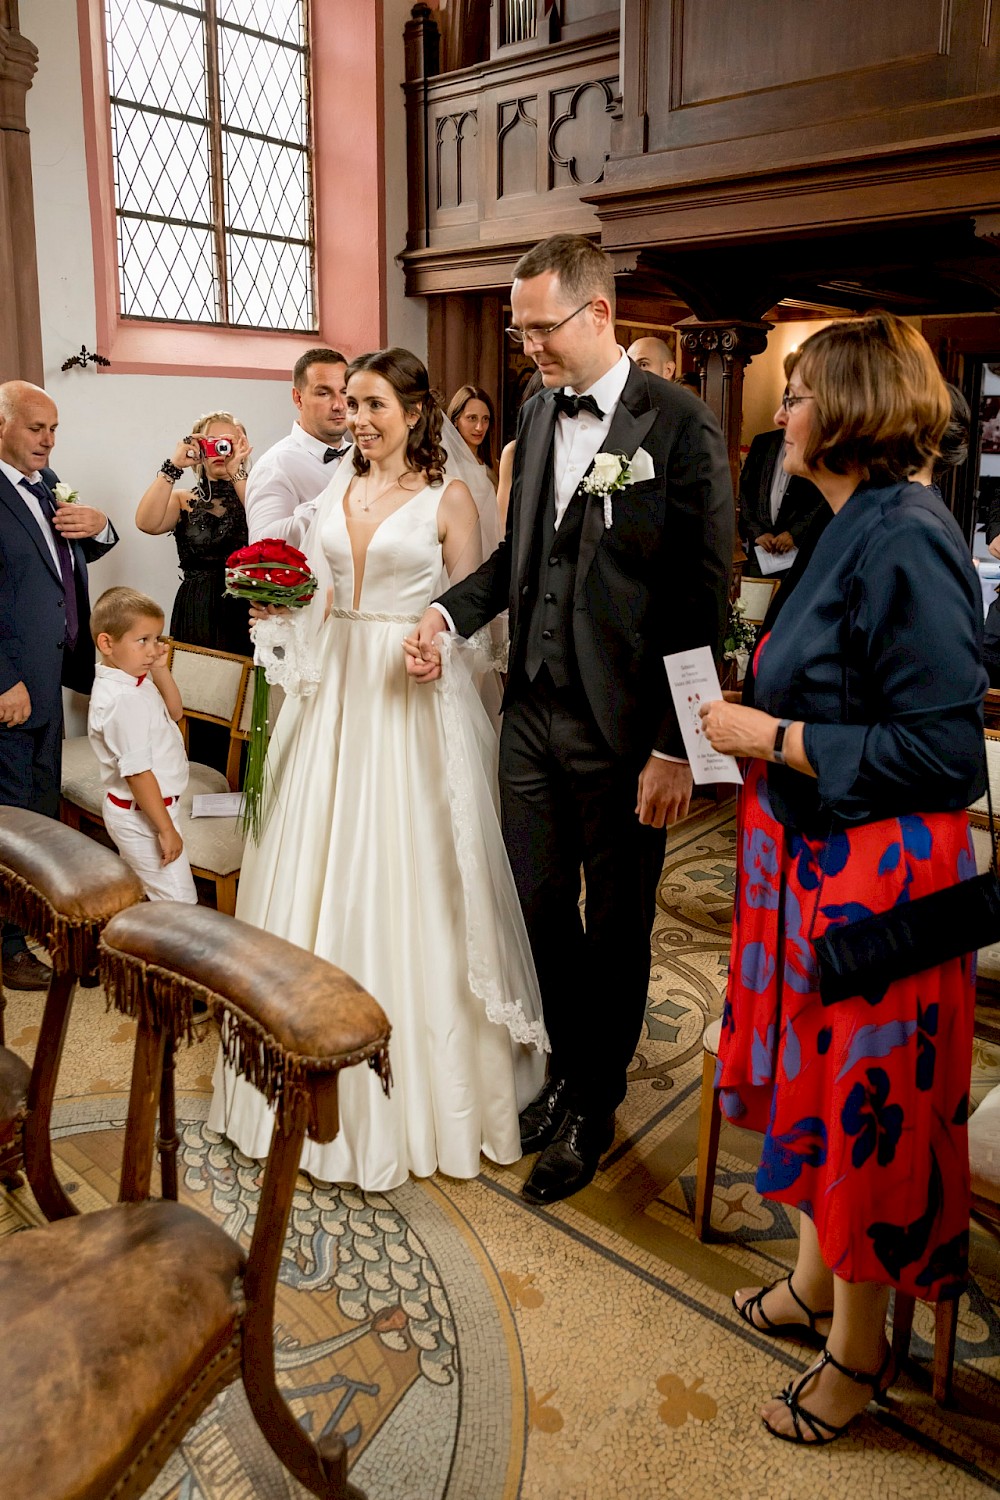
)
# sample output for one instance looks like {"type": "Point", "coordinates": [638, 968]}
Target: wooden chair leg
{"type": "Point", "coordinates": [166, 1139]}
{"type": "Point", "coordinates": [902, 1326]}
{"type": "Point", "coordinates": [945, 1334]}
{"type": "Point", "coordinates": [45, 1185]}
{"type": "Point", "coordinates": [225, 894]}
{"type": "Point", "coordinates": [708, 1148]}
{"type": "Point", "coordinates": [69, 814]}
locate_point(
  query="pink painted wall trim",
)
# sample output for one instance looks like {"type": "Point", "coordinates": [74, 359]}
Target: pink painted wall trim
{"type": "Point", "coordinates": [349, 185]}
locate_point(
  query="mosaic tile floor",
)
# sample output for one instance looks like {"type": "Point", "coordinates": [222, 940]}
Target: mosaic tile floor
{"type": "Point", "coordinates": [470, 1347]}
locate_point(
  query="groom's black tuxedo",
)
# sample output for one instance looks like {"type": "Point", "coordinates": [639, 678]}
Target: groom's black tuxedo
{"type": "Point", "coordinates": [593, 611]}
{"type": "Point", "coordinates": [657, 582]}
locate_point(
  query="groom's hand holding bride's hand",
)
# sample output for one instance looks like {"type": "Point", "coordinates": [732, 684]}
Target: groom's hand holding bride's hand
{"type": "Point", "coordinates": [665, 788]}
{"type": "Point", "coordinates": [423, 659]}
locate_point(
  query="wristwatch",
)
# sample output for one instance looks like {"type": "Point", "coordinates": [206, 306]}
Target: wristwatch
{"type": "Point", "coordinates": [777, 755]}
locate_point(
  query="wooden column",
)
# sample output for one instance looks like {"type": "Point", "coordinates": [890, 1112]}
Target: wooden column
{"type": "Point", "coordinates": [720, 352]}
{"type": "Point", "coordinates": [422, 52]}
{"type": "Point", "coordinates": [20, 325]}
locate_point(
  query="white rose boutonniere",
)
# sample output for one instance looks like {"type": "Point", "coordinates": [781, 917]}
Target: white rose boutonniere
{"type": "Point", "coordinates": [610, 472]}
{"type": "Point", "coordinates": [65, 493]}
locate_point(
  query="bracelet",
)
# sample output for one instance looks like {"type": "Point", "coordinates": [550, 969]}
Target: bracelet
{"type": "Point", "coordinates": [777, 753]}
{"type": "Point", "coordinates": [170, 471]}
{"type": "Point", "coordinates": [241, 473]}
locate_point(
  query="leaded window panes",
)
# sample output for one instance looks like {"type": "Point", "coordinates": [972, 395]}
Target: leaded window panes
{"type": "Point", "coordinates": [212, 154]}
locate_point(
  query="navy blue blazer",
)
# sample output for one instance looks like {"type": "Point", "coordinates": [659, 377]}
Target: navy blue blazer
{"type": "Point", "coordinates": [33, 609]}
{"type": "Point", "coordinates": [878, 651]}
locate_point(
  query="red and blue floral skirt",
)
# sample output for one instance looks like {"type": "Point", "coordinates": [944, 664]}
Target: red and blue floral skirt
{"type": "Point", "coordinates": [863, 1104]}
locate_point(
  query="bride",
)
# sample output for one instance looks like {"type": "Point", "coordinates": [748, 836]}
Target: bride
{"type": "Point", "coordinates": [381, 848]}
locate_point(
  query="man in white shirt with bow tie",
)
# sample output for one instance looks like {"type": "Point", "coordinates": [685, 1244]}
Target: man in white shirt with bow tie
{"type": "Point", "coordinates": [45, 546]}
{"type": "Point", "coordinates": [288, 479]}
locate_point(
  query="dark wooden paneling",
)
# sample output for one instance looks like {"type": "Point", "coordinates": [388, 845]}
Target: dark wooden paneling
{"type": "Point", "coordinates": [721, 49]}
{"type": "Point", "coordinates": [500, 156]}
{"type": "Point", "coordinates": [712, 88]}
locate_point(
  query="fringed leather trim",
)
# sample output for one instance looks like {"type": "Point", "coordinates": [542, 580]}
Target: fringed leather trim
{"type": "Point", "coordinates": [70, 943]}
{"type": "Point", "coordinates": [157, 996]}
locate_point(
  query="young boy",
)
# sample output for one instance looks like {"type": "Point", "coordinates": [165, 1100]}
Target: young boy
{"type": "Point", "coordinates": [132, 726]}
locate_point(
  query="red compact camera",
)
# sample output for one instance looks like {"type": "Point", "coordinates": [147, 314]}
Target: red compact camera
{"type": "Point", "coordinates": [220, 447]}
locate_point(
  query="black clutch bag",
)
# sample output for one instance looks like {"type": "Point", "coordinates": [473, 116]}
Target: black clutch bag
{"type": "Point", "coordinates": [863, 958]}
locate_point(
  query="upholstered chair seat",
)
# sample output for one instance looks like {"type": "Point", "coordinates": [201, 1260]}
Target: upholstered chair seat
{"type": "Point", "coordinates": [110, 1315]}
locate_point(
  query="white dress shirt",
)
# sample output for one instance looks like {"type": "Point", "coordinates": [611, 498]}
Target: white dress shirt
{"type": "Point", "coordinates": [20, 481]}
{"type": "Point", "coordinates": [578, 439]}
{"type": "Point", "coordinates": [284, 485]}
{"type": "Point", "coordinates": [779, 483]}
{"type": "Point", "coordinates": [131, 731]}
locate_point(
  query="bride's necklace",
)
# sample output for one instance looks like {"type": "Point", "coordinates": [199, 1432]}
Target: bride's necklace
{"type": "Point", "coordinates": [367, 500]}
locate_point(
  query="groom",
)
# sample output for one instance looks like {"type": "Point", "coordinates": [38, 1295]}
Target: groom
{"type": "Point", "coordinates": [591, 758]}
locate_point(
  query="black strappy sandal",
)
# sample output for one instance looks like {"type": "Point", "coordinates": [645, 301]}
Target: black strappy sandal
{"type": "Point", "coordinates": [820, 1432]}
{"type": "Point", "coordinates": [807, 1334]}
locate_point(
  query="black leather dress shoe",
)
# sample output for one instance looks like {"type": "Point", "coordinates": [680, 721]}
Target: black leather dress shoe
{"type": "Point", "coordinates": [540, 1119]}
{"type": "Point", "coordinates": [22, 971]}
{"type": "Point", "coordinates": [570, 1161]}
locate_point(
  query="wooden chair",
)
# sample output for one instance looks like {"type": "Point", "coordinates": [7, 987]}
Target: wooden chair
{"type": "Point", "coordinates": [216, 687]}
{"type": "Point", "coordinates": [984, 1166]}
{"type": "Point", "coordinates": [121, 1326]}
{"type": "Point", "coordinates": [61, 888]}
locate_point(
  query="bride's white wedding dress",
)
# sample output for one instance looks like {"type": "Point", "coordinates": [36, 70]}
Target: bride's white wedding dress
{"type": "Point", "coordinates": [382, 852]}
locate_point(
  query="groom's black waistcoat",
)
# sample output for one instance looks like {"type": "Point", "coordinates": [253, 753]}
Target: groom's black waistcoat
{"type": "Point", "coordinates": [550, 630]}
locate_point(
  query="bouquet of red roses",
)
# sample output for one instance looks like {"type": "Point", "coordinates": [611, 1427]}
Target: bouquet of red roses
{"type": "Point", "coordinates": [267, 572]}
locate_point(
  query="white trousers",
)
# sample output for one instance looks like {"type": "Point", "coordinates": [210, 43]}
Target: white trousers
{"type": "Point", "coordinates": [140, 849]}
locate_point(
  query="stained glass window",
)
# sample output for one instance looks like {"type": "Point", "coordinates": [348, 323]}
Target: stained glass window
{"type": "Point", "coordinates": [210, 129]}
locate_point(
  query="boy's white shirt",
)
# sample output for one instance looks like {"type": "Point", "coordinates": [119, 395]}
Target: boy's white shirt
{"type": "Point", "coordinates": [131, 731]}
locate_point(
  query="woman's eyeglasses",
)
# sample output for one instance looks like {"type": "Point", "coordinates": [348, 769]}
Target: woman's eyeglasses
{"type": "Point", "coordinates": [789, 401]}
{"type": "Point", "coordinates": [539, 335]}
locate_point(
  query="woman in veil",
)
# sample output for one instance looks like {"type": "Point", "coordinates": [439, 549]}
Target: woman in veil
{"type": "Point", "coordinates": [381, 848]}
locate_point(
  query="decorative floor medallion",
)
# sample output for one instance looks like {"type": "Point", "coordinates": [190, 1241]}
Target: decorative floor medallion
{"type": "Point", "coordinates": [392, 1328]}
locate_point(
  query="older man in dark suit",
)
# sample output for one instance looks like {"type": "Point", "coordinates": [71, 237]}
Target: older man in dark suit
{"type": "Point", "coordinates": [45, 545]}
{"type": "Point", "coordinates": [619, 539]}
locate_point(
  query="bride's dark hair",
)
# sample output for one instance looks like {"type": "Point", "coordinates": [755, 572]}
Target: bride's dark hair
{"type": "Point", "coordinates": [409, 380]}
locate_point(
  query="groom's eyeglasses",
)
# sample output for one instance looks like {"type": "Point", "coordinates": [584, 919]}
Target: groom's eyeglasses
{"type": "Point", "coordinates": [539, 335]}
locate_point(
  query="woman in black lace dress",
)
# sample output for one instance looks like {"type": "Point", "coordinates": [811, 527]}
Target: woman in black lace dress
{"type": "Point", "coordinates": [208, 523]}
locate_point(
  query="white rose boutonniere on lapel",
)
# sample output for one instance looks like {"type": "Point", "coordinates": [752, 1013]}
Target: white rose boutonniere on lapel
{"type": "Point", "coordinates": [609, 472]}
{"type": "Point", "coordinates": [65, 493]}
{"type": "Point", "coordinates": [613, 471]}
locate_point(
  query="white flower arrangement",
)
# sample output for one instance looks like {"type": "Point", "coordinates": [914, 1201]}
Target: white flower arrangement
{"type": "Point", "coordinates": [610, 472]}
{"type": "Point", "coordinates": [65, 494]}
{"type": "Point", "coordinates": [741, 633]}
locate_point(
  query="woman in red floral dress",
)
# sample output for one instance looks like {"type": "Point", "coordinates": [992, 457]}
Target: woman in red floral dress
{"type": "Point", "coordinates": [866, 747]}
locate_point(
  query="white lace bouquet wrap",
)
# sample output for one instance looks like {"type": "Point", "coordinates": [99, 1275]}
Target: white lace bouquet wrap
{"type": "Point", "coordinates": [283, 649]}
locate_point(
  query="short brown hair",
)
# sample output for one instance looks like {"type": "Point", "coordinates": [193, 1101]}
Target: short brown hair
{"type": "Point", "coordinates": [881, 403]}
{"type": "Point", "coordinates": [314, 357]}
{"type": "Point", "coordinates": [583, 269]}
{"type": "Point", "coordinates": [117, 611]}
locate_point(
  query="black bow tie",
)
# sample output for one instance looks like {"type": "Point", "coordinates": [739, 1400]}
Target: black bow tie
{"type": "Point", "coordinates": [332, 453]}
{"type": "Point", "coordinates": [568, 405]}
